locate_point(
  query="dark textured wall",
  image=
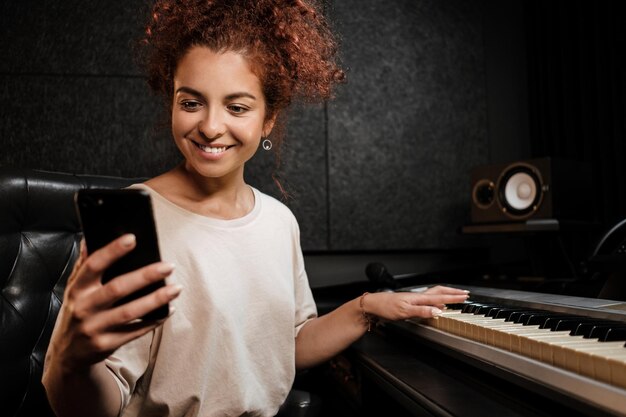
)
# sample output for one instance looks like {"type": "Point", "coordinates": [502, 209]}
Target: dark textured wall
{"type": "Point", "coordinates": [71, 97]}
{"type": "Point", "coordinates": [410, 123]}
{"type": "Point", "coordinates": [384, 166]}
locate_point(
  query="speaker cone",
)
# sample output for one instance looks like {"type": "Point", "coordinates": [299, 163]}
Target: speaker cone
{"type": "Point", "coordinates": [520, 190]}
{"type": "Point", "coordinates": [484, 193]}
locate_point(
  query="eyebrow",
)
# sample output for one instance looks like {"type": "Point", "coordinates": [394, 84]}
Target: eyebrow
{"type": "Point", "coordinates": [231, 96]}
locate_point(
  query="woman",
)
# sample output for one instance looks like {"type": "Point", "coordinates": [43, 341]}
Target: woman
{"type": "Point", "coordinates": [245, 318]}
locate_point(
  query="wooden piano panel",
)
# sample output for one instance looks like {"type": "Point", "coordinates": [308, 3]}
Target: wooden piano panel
{"type": "Point", "coordinates": [425, 379]}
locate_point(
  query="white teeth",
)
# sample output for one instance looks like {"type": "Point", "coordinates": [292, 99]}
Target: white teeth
{"type": "Point", "coordinates": [212, 150]}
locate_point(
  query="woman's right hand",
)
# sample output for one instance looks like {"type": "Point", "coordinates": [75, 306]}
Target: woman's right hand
{"type": "Point", "coordinates": [90, 326]}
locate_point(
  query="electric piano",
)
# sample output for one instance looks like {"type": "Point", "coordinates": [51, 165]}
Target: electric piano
{"type": "Point", "coordinates": [504, 352]}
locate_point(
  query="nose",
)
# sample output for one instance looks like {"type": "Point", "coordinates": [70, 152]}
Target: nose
{"type": "Point", "coordinates": [212, 125]}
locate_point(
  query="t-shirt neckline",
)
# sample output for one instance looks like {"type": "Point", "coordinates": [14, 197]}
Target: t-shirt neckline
{"type": "Point", "coordinates": [211, 221]}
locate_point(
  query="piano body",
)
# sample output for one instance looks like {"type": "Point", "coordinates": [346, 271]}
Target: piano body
{"type": "Point", "coordinates": [504, 352]}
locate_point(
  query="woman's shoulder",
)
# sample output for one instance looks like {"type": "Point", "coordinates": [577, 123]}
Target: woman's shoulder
{"type": "Point", "coordinates": [273, 205]}
{"type": "Point", "coordinates": [163, 182]}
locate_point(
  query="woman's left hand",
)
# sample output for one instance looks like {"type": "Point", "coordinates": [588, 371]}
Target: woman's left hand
{"type": "Point", "coordinates": [404, 305]}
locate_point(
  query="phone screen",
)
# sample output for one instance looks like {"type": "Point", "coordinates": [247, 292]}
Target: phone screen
{"type": "Point", "coordinates": [105, 215]}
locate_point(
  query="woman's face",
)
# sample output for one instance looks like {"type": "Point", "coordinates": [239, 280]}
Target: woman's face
{"type": "Point", "coordinates": [218, 112]}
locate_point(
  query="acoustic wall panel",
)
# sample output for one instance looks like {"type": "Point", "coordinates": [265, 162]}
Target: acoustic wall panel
{"type": "Point", "coordinates": [95, 125]}
{"type": "Point", "coordinates": [409, 124]}
{"type": "Point", "coordinates": [70, 36]}
{"type": "Point", "coordinates": [302, 173]}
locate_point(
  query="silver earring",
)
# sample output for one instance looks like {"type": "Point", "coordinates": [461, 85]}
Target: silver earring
{"type": "Point", "coordinates": [267, 144]}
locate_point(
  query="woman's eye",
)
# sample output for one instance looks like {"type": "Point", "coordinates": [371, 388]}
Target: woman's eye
{"type": "Point", "coordinates": [190, 105]}
{"type": "Point", "coordinates": [237, 109]}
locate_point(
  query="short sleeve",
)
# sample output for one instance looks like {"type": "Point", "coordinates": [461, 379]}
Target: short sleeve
{"type": "Point", "coordinates": [304, 302]}
{"type": "Point", "coordinates": [128, 364]}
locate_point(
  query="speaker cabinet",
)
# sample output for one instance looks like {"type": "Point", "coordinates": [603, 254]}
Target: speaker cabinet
{"type": "Point", "coordinates": [543, 188]}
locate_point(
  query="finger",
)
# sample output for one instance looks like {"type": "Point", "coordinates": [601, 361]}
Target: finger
{"type": "Point", "coordinates": [437, 299]}
{"type": "Point", "coordinates": [82, 255]}
{"type": "Point", "coordinates": [133, 310]}
{"type": "Point", "coordinates": [425, 311]}
{"type": "Point", "coordinates": [126, 284]}
{"type": "Point", "coordinates": [109, 342]}
{"type": "Point", "coordinates": [83, 249]}
{"type": "Point", "coordinates": [439, 289]}
{"type": "Point", "coordinates": [94, 266]}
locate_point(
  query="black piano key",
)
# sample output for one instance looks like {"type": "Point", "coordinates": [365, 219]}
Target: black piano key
{"type": "Point", "coordinates": [567, 323]}
{"type": "Point", "coordinates": [537, 319]}
{"type": "Point", "coordinates": [584, 329]}
{"type": "Point", "coordinates": [455, 306]}
{"type": "Point", "coordinates": [490, 311]}
{"type": "Point", "coordinates": [469, 307]}
{"type": "Point", "coordinates": [615, 334]}
{"type": "Point", "coordinates": [494, 312]}
{"type": "Point", "coordinates": [472, 307]}
{"type": "Point", "coordinates": [504, 313]}
{"type": "Point", "coordinates": [514, 316]}
{"type": "Point", "coordinates": [484, 309]}
{"type": "Point", "coordinates": [532, 318]}
{"type": "Point", "coordinates": [602, 332]}
{"type": "Point", "coordinates": [509, 314]}
{"type": "Point", "coordinates": [552, 321]}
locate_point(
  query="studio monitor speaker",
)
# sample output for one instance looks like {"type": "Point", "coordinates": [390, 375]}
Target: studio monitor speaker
{"type": "Point", "coordinates": [543, 188]}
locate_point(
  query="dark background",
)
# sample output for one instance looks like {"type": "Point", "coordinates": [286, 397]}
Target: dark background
{"type": "Point", "coordinates": [435, 87]}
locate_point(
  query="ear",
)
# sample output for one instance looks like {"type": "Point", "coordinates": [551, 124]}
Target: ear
{"type": "Point", "coordinates": [268, 125]}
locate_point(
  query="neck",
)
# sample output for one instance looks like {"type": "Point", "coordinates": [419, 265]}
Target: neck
{"type": "Point", "coordinates": [200, 188]}
{"type": "Point", "coordinates": [222, 198]}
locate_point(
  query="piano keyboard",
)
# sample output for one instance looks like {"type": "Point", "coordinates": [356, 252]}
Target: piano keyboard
{"type": "Point", "coordinates": [574, 346]}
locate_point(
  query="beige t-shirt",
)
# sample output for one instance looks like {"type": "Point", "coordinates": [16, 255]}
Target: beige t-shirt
{"type": "Point", "coordinates": [229, 349]}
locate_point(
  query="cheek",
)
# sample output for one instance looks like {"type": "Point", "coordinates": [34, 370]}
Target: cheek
{"type": "Point", "coordinates": [183, 122]}
{"type": "Point", "coordinates": [250, 130]}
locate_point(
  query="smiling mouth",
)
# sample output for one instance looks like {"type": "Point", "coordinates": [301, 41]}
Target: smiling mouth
{"type": "Point", "coordinates": [214, 150]}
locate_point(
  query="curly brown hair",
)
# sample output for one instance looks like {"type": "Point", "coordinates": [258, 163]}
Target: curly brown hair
{"type": "Point", "coordinates": [287, 42]}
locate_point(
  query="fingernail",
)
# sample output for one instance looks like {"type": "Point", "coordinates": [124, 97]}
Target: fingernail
{"type": "Point", "coordinates": [466, 291]}
{"type": "Point", "coordinates": [128, 240]}
{"type": "Point", "coordinates": [165, 268]}
{"type": "Point", "coordinates": [436, 312]}
{"type": "Point", "coordinates": [174, 289]}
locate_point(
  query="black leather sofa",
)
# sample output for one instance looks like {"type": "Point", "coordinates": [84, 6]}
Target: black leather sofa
{"type": "Point", "coordinates": [39, 243]}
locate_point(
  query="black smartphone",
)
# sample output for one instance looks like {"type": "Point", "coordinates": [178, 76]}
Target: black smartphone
{"type": "Point", "coordinates": [105, 215]}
